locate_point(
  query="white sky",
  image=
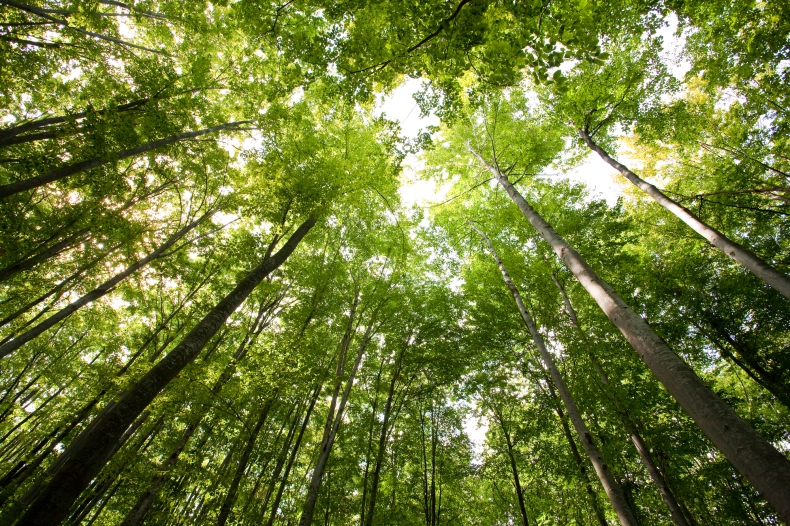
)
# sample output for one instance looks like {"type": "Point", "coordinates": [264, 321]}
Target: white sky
{"type": "Point", "coordinates": [599, 177]}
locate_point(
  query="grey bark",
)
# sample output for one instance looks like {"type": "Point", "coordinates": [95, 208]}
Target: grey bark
{"type": "Point", "coordinates": [742, 255]}
{"type": "Point", "coordinates": [753, 456]}
{"type": "Point", "coordinates": [675, 510]}
{"type": "Point", "coordinates": [60, 492]}
{"type": "Point", "coordinates": [613, 490]}
{"type": "Point", "coordinates": [334, 420]}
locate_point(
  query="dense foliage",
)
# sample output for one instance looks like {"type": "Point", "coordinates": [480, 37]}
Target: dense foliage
{"type": "Point", "coordinates": [217, 306]}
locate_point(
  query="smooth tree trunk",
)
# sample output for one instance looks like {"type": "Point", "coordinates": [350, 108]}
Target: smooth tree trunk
{"type": "Point", "coordinates": [230, 498]}
{"type": "Point", "coordinates": [513, 466]}
{"type": "Point", "coordinates": [31, 261]}
{"type": "Point", "coordinates": [753, 456]}
{"type": "Point", "coordinates": [386, 425]}
{"type": "Point", "coordinates": [742, 255]}
{"type": "Point", "coordinates": [333, 421]}
{"type": "Point", "coordinates": [674, 507]}
{"type": "Point", "coordinates": [613, 490]}
{"type": "Point", "coordinates": [98, 292]}
{"type": "Point", "coordinates": [64, 487]}
{"type": "Point", "coordinates": [65, 171]}
{"type": "Point", "coordinates": [146, 500]}
{"type": "Point", "coordinates": [291, 460]}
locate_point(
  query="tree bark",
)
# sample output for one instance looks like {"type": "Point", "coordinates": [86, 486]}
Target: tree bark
{"type": "Point", "coordinates": [742, 255]}
{"type": "Point", "coordinates": [64, 487]}
{"type": "Point", "coordinates": [616, 496]}
{"type": "Point", "coordinates": [675, 510]}
{"type": "Point", "coordinates": [513, 467]}
{"type": "Point", "coordinates": [333, 420]}
{"type": "Point", "coordinates": [385, 427]}
{"type": "Point", "coordinates": [292, 459]}
{"type": "Point", "coordinates": [98, 292]}
{"type": "Point", "coordinates": [752, 455]}
{"type": "Point", "coordinates": [65, 171]}
{"type": "Point", "coordinates": [230, 498]}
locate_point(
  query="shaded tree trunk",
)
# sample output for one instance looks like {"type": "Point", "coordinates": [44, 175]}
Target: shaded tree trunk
{"type": "Point", "coordinates": [613, 490]}
{"type": "Point", "coordinates": [742, 255]}
{"type": "Point", "coordinates": [230, 498]}
{"type": "Point", "coordinates": [752, 455]}
{"type": "Point", "coordinates": [644, 452]}
{"type": "Point", "coordinates": [60, 492]}
{"type": "Point", "coordinates": [334, 420]}
{"type": "Point", "coordinates": [32, 183]}
{"type": "Point", "coordinates": [98, 292]}
{"type": "Point", "coordinates": [513, 467]}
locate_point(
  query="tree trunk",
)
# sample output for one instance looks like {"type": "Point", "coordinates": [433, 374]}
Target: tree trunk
{"type": "Point", "coordinates": [333, 421]}
{"type": "Point", "coordinates": [513, 467]}
{"type": "Point", "coordinates": [610, 485]}
{"type": "Point", "coordinates": [146, 500]}
{"type": "Point", "coordinates": [31, 261]}
{"type": "Point", "coordinates": [644, 452]}
{"type": "Point", "coordinates": [65, 171]}
{"type": "Point", "coordinates": [752, 455]}
{"type": "Point", "coordinates": [230, 498]}
{"type": "Point", "coordinates": [742, 255]}
{"type": "Point", "coordinates": [64, 487]}
{"type": "Point", "coordinates": [98, 292]}
{"type": "Point", "coordinates": [385, 428]}
{"type": "Point", "coordinates": [292, 459]}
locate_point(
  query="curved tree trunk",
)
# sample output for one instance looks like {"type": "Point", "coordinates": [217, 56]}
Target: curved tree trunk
{"type": "Point", "coordinates": [752, 455]}
{"type": "Point", "coordinates": [65, 486]}
{"type": "Point", "coordinates": [613, 490]}
{"type": "Point", "coordinates": [742, 255]}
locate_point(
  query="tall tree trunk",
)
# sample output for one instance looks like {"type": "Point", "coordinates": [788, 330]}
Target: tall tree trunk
{"type": "Point", "coordinates": [146, 499]}
{"type": "Point", "coordinates": [374, 407]}
{"type": "Point", "coordinates": [382, 446]}
{"type": "Point", "coordinates": [513, 467]}
{"type": "Point", "coordinates": [31, 261]}
{"type": "Point", "coordinates": [64, 487]}
{"type": "Point", "coordinates": [292, 459]}
{"type": "Point", "coordinates": [230, 498]}
{"type": "Point", "coordinates": [752, 455]}
{"type": "Point", "coordinates": [616, 496]}
{"type": "Point", "coordinates": [644, 452]}
{"type": "Point", "coordinates": [65, 171]}
{"type": "Point", "coordinates": [98, 292]}
{"type": "Point", "coordinates": [333, 421]}
{"type": "Point", "coordinates": [742, 255]}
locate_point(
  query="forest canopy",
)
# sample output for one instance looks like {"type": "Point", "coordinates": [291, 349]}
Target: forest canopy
{"type": "Point", "coordinates": [220, 302]}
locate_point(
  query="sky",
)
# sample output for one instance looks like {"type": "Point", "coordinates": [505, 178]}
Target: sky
{"type": "Point", "coordinates": [600, 178]}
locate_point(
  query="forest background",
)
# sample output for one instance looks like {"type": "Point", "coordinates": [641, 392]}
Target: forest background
{"type": "Point", "coordinates": [223, 302]}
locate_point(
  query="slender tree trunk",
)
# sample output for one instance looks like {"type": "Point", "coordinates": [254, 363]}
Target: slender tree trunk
{"type": "Point", "coordinates": [230, 498]}
{"type": "Point", "coordinates": [146, 500]}
{"type": "Point", "coordinates": [374, 407]}
{"type": "Point", "coordinates": [752, 455]}
{"type": "Point", "coordinates": [742, 255]}
{"type": "Point", "coordinates": [382, 446]}
{"type": "Point", "coordinates": [644, 452]}
{"type": "Point", "coordinates": [279, 465]}
{"type": "Point", "coordinates": [65, 171]}
{"type": "Point", "coordinates": [610, 485]}
{"type": "Point", "coordinates": [98, 292]}
{"type": "Point", "coordinates": [292, 459]}
{"type": "Point", "coordinates": [31, 261]}
{"type": "Point", "coordinates": [64, 487]}
{"type": "Point", "coordinates": [513, 467]}
{"type": "Point", "coordinates": [333, 422]}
